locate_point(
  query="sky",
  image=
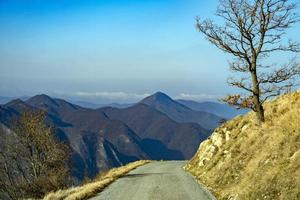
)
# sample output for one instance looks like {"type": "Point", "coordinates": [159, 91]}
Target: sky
{"type": "Point", "coordinates": [110, 50]}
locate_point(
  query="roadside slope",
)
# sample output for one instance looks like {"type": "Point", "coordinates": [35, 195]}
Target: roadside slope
{"type": "Point", "coordinates": [157, 180]}
{"type": "Point", "coordinates": [242, 160]}
{"type": "Point", "coordinates": [91, 188]}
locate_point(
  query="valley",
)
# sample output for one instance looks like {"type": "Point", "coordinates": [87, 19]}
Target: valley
{"type": "Point", "coordinates": [150, 100]}
{"type": "Point", "coordinates": [108, 137]}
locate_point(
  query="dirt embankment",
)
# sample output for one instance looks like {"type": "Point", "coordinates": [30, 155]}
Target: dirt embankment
{"type": "Point", "coordinates": [242, 160]}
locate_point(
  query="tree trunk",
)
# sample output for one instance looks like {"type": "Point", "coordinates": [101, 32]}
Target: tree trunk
{"type": "Point", "coordinates": [260, 113]}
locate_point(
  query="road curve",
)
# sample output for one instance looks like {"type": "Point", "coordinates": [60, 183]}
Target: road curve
{"type": "Point", "coordinates": [156, 181]}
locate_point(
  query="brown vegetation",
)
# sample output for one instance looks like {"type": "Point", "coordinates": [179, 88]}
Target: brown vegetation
{"type": "Point", "coordinates": [92, 188]}
{"type": "Point", "coordinates": [32, 161]}
{"type": "Point", "coordinates": [242, 160]}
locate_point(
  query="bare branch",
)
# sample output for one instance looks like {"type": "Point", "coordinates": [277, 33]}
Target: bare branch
{"type": "Point", "coordinates": [240, 84]}
{"type": "Point", "coordinates": [253, 30]}
{"type": "Point", "coordinates": [285, 73]}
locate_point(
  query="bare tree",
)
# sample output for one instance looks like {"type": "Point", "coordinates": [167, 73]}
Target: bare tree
{"type": "Point", "coordinates": [32, 161]}
{"type": "Point", "coordinates": [254, 30]}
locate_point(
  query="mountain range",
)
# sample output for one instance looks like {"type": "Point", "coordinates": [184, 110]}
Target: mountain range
{"type": "Point", "coordinates": [219, 109]}
{"type": "Point", "coordinates": [222, 110]}
{"type": "Point", "coordinates": [180, 112]}
{"type": "Point", "coordinates": [108, 137]}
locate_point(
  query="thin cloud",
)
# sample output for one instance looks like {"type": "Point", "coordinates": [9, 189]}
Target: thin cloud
{"type": "Point", "coordinates": [198, 97]}
{"type": "Point", "coordinates": [112, 95]}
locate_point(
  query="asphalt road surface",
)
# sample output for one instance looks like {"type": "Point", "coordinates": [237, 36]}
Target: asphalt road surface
{"type": "Point", "coordinates": [156, 181]}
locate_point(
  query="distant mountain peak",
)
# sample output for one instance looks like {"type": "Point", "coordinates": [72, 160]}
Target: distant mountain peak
{"type": "Point", "coordinates": [16, 106]}
{"type": "Point", "coordinates": [41, 99]}
{"type": "Point", "coordinates": [179, 112]}
{"type": "Point", "coordinates": [161, 95]}
{"type": "Point", "coordinates": [15, 102]}
{"type": "Point", "coordinates": [157, 97]}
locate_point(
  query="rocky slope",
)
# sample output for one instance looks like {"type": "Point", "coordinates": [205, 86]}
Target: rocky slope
{"type": "Point", "coordinates": [242, 160]}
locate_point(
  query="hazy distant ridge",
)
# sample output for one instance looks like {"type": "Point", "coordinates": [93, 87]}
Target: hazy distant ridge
{"type": "Point", "coordinates": [110, 137]}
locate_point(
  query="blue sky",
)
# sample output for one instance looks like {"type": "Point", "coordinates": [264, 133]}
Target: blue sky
{"type": "Point", "coordinates": [109, 50]}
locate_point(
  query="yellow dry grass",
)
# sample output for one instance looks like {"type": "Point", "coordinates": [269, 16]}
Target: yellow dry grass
{"type": "Point", "coordinates": [242, 160]}
{"type": "Point", "coordinates": [91, 189]}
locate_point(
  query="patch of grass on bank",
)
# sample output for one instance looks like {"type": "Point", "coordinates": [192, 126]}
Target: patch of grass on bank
{"type": "Point", "coordinates": [92, 188]}
{"type": "Point", "coordinates": [243, 161]}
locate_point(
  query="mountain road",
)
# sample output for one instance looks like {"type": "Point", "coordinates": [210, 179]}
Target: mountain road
{"type": "Point", "coordinates": [164, 180]}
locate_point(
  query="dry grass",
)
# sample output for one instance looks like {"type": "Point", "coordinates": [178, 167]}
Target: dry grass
{"type": "Point", "coordinates": [91, 189]}
{"type": "Point", "coordinates": [242, 160]}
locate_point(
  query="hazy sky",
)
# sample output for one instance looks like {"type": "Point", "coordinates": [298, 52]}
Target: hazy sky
{"type": "Point", "coordinates": [111, 50]}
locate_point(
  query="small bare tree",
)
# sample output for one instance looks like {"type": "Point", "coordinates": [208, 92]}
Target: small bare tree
{"type": "Point", "coordinates": [32, 161]}
{"type": "Point", "coordinates": [252, 31]}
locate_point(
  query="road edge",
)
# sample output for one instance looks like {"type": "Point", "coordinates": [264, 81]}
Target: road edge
{"type": "Point", "coordinates": [97, 185]}
{"type": "Point", "coordinates": [203, 186]}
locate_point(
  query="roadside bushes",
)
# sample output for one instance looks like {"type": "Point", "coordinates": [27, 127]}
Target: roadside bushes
{"type": "Point", "coordinates": [32, 161]}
